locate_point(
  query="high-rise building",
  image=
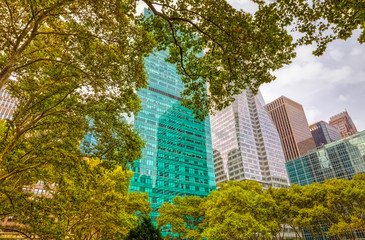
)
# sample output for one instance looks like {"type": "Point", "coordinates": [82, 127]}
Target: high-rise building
{"type": "Point", "coordinates": [292, 125]}
{"type": "Point", "coordinates": [7, 104]}
{"type": "Point", "coordinates": [340, 159]}
{"type": "Point", "coordinates": [343, 123]}
{"type": "Point", "coordinates": [177, 158]}
{"type": "Point", "coordinates": [246, 144]}
{"type": "Point", "coordinates": [324, 133]}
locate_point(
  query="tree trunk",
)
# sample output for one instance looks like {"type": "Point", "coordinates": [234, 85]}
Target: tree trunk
{"type": "Point", "coordinates": [7, 70]}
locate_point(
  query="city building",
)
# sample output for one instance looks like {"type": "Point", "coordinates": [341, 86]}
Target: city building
{"type": "Point", "coordinates": [292, 125]}
{"type": "Point", "coordinates": [177, 159]}
{"type": "Point", "coordinates": [7, 104]}
{"type": "Point", "coordinates": [340, 159]}
{"type": "Point", "coordinates": [343, 123]}
{"type": "Point", "coordinates": [324, 133]}
{"type": "Point", "coordinates": [246, 144]}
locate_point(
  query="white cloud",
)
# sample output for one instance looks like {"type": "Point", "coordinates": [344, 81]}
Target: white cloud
{"type": "Point", "coordinates": [245, 5]}
{"type": "Point", "coordinates": [335, 54]}
{"type": "Point", "coordinates": [342, 98]}
{"type": "Point", "coordinates": [312, 115]}
{"type": "Point", "coordinates": [356, 51]}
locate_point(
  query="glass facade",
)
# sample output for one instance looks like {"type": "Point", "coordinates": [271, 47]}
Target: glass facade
{"type": "Point", "coordinates": [246, 144]}
{"type": "Point", "coordinates": [324, 133]}
{"type": "Point", "coordinates": [177, 159]}
{"type": "Point", "coordinates": [341, 159]}
{"type": "Point", "coordinates": [7, 104]}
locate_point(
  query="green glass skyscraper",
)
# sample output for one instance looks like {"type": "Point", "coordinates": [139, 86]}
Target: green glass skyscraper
{"type": "Point", "coordinates": [177, 159]}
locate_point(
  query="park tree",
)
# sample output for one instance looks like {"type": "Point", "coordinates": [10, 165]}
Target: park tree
{"type": "Point", "coordinates": [184, 215]}
{"type": "Point", "coordinates": [239, 210]}
{"type": "Point", "coordinates": [314, 214]}
{"type": "Point", "coordinates": [144, 231]}
{"type": "Point", "coordinates": [346, 200]}
{"type": "Point", "coordinates": [88, 202]}
{"type": "Point", "coordinates": [288, 201]}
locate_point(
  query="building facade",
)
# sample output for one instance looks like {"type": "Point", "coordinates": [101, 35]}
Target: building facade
{"type": "Point", "coordinates": [340, 159]}
{"type": "Point", "coordinates": [324, 133]}
{"type": "Point", "coordinates": [343, 123]}
{"type": "Point", "coordinates": [7, 104]}
{"type": "Point", "coordinates": [177, 158]}
{"type": "Point", "coordinates": [292, 125]}
{"type": "Point", "coordinates": [246, 144]}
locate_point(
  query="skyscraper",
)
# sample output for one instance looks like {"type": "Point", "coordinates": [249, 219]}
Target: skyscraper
{"type": "Point", "coordinates": [246, 144]}
{"type": "Point", "coordinates": [324, 133]}
{"type": "Point", "coordinates": [7, 104]}
{"type": "Point", "coordinates": [343, 123]}
{"type": "Point", "coordinates": [177, 159]}
{"type": "Point", "coordinates": [292, 125]}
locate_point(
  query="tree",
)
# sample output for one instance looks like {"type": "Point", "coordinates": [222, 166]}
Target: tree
{"type": "Point", "coordinates": [288, 203]}
{"type": "Point", "coordinates": [185, 216]}
{"type": "Point", "coordinates": [144, 231]}
{"type": "Point", "coordinates": [88, 202]}
{"type": "Point", "coordinates": [346, 200]}
{"type": "Point", "coordinates": [239, 210]}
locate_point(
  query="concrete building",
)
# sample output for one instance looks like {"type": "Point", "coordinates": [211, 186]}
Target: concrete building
{"type": "Point", "coordinates": [324, 133]}
{"type": "Point", "coordinates": [246, 144]}
{"type": "Point", "coordinates": [343, 123]}
{"type": "Point", "coordinates": [292, 125]}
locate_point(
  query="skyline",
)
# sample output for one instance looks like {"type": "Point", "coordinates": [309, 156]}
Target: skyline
{"type": "Point", "coordinates": [325, 85]}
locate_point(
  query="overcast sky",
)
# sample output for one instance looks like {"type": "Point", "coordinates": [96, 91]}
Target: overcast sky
{"type": "Point", "coordinates": [324, 85]}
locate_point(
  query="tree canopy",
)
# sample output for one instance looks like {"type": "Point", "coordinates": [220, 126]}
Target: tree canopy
{"type": "Point", "coordinates": [102, 45]}
{"type": "Point", "coordinates": [144, 231]}
{"type": "Point", "coordinates": [243, 210]}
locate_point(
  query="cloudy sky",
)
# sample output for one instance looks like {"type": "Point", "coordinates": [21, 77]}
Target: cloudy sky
{"type": "Point", "coordinates": [324, 85]}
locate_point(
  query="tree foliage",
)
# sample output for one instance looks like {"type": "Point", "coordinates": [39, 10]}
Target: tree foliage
{"type": "Point", "coordinates": [99, 41]}
{"type": "Point", "coordinates": [322, 21]}
{"type": "Point", "coordinates": [184, 216]}
{"type": "Point", "coordinates": [243, 210]}
{"type": "Point", "coordinates": [74, 67]}
{"type": "Point", "coordinates": [87, 202]}
{"type": "Point", "coordinates": [144, 231]}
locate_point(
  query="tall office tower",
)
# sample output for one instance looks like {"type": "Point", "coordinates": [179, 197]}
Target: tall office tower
{"type": "Point", "coordinates": [177, 158]}
{"type": "Point", "coordinates": [291, 123]}
{"type": "Point", "coordinates": [340, 159]}
{"type": "Point", "coordinates": [7, 104]}
{"type": "Point", "coordinates": [246, 144]}
{"type": "Point", "coordinates": [324, 133]}
{"type": "Point", "coordinates": [343, 123]}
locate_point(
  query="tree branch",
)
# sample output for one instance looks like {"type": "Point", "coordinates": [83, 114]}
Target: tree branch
{"type": "Point", "coordinates": [20, 170]}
